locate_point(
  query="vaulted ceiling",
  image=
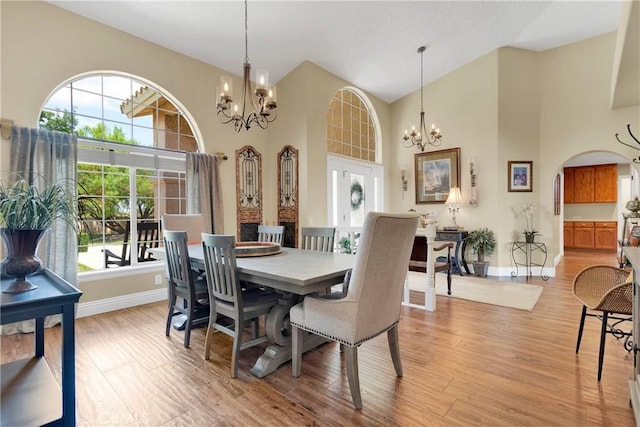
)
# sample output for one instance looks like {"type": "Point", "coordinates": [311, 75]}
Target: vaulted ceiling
{"type": "Point", "coordinates": [372, 44]}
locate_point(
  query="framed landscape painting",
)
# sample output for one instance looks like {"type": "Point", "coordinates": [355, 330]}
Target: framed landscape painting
{"type": "Point", "coordinates": [436, 173]}
{"type": "Point", "coordinates": [520, 175]}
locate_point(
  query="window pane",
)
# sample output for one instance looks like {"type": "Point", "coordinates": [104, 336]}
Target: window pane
{"type": "Point", "coordinates": [112, 110]}
{"type": "Point", "coordinates": [87, 104]}
{"type": "Point", "coordinates": [142, 136]}
{"type": "Point", "coordinates": [89, 84]}
{"type": "Point", "coordinates": [117, 87]}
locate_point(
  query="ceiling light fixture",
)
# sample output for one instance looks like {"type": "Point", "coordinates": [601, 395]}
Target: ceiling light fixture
{"type": "Point", "coordinates": [264, 112]}
{"type": "Point", "coordinates": [421, 138]}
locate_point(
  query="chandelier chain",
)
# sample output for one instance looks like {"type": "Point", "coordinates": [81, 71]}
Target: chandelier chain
{"type": "Point", "coordinates": [246, 37]}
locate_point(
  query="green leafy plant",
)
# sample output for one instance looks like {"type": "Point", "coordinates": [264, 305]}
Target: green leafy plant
{"type": "Point", "coordinates": [482, 241]}
{"type": "Point", "coordinates": [24, 207]}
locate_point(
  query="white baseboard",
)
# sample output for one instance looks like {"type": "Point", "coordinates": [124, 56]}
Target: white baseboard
{"type": "Point", "coordinates": [118, 303]}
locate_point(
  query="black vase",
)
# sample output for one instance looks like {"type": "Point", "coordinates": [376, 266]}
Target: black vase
{"type": "Point", "coordinates": [21, 260]}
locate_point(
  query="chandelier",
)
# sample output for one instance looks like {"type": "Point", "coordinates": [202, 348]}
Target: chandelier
{"type": "Point", "coordinates": [264, 111]}
{"type": "Point", "coordinates": [421, 137]}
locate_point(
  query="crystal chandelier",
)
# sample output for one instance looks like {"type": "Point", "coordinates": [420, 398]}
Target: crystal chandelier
{"type": "Point", "coordinates": [421, 137]}
{"type": "Point", "coordinates": [264, 112]}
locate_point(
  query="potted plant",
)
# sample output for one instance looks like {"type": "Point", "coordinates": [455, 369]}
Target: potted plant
{"type": "Point", "coordinates": [529, 232]}
{"type": "Point", "coordinates": [483, 242]}
{"type": "Point", "coordinates": [26, 214]}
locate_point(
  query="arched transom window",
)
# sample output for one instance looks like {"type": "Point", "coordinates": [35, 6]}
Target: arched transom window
{"type": "Point", "coordinates": [351, 130]}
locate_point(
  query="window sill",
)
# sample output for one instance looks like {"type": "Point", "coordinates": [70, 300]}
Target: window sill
{"type": "Point", "coordinates": [90, 276]}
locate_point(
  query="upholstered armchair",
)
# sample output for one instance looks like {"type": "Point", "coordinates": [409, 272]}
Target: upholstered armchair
{"type": "Point", "coordinates": [372, 304]}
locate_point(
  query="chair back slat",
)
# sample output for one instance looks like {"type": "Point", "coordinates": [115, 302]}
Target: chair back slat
{"type": "Point", "coordinates": [220, 267]}
{"type": "Point", "coordinates": [177, 259]}
{"type": "Point", "coordinates": [317, 238]}
{"type": "Point", "coordinates": [270, 233]}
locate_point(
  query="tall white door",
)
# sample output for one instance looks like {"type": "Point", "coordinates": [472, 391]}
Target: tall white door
{"type": "Point", "coordinates": [354, 188]}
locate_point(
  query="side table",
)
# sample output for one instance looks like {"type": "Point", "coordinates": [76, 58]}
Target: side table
{"type": "Point", "coordinates": [459, 237]}
{"type": "Point", "coordinates": [529, 249]}
{"type": "Point", "coordinates": [28, 387]}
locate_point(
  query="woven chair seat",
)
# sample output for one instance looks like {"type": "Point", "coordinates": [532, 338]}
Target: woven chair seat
{"type": "Point", "coordinates": [604, 288]}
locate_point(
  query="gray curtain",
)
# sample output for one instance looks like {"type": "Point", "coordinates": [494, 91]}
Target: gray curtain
{"type": "Point", "coordinates": [204, 190]}
{"type": "Point", "coordinates": [42, 157]}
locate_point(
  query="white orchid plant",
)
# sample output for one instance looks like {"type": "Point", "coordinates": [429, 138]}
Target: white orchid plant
{"type": "Point", "coordinates": [528, 210]}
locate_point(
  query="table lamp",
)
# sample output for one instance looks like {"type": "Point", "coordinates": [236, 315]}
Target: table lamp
{"type": "Point", "coordinates": [453, 202]}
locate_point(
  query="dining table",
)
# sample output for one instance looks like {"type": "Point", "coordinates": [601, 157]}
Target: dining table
{"type": "Point", "coordinates": [293, 273]}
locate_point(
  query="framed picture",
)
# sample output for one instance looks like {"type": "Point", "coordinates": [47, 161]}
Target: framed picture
{"type": "Point", "coordinates": [520, 176]}
{"type": "Point", "coordinates": [436, 173]}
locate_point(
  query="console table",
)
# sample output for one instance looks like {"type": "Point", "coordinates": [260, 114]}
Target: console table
{"type": "Point", "coordinates": [529, 249]}
{"type": "Point", "coordinates": [460, 238]}
{"type": "Point", "coordinates": [29, 389]}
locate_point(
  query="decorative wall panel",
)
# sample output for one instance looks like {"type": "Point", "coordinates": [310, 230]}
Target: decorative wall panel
{"type": "Point", "coordinates": [288, 194]}
{"type": "Point", "coordinates": [248, 192]}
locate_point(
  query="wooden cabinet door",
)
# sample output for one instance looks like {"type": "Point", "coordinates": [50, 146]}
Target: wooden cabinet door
{"type": "Point", "coordinates": [583, 235]}
{"type": "Point", "coordinates": [569, 183]}
{"type": "Point", "coordinates": [583, 184]}
{"type": "Point", "coordinates": [568, 234]}
{"type": "Point", "coordinates": [605, 235]}
{"type": "Point", "coordinates": [606, 183]}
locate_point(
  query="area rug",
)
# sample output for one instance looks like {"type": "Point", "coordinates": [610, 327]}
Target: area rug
{"type": "Point", "coordinates": [522, 296]}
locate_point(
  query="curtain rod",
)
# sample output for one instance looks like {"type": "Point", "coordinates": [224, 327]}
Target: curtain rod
{"type": "Point", "coordinates": [5, 127]}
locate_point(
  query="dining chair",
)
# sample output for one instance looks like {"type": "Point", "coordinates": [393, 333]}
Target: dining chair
{"type": "Point", "coordinates": [270, 233]}
{"type": "Point", "coordinates": [372, 304]}
{"type": "Point", "coordinates": [182, 283]}
{"type": "Point", "coordinates": [607, 290]}
{"type": "Point", "coordinates": [147, 232]}
{"type": "Point", "coordinates": [228, 299]}
{"type": "Point", "coordinates": [193, 224]}
{"type": "Point", "coordinates": [317, 238]}
{"type": "Point", "coordinates": [322, 239]}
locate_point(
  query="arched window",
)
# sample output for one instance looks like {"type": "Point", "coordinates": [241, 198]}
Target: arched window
{"type": "Point", "coordinates": [351, 128]}
{"type": "Point", "coordinates": [131, 142]}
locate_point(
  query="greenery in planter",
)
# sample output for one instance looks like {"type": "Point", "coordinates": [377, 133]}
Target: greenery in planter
{"type": "Point", "coordinates": [24, 207]}
{"type": "Point", "coordinates": [482, 241]}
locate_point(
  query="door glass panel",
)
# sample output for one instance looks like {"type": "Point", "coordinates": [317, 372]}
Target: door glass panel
{"type": "Point", "coordinates": [357, 200]}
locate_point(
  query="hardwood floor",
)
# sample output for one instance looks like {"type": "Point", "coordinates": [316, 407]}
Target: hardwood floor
{"type": "Point", "coordinates": [465, 364]}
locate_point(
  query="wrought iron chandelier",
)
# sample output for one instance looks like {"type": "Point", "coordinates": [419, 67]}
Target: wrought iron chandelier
{"type": "Point", "coordinates": [264, 112]}
{"type": "Point", "coordinates": [421, 137]}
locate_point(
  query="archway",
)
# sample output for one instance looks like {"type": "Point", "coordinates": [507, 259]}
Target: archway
{"type": "Point", "coordinates": [597, 212]}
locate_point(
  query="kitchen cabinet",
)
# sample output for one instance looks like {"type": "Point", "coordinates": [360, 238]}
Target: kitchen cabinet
{"type": "Point", "coordinates": [583, 235]}
{"type": "Point", "coordinates": [606, 184]}
{"type": "Point", "coordinates": [569, 183]}
{"type": "Point", "coordinates": [590, 234]}
{"type": "Point", "coordinates": [583, 185]}
{"type": "Point", "coordinates": [604, 235]}
{"type": "Point", "coordinates": [591, 184]}
{"type": "Point", "coordinates": [568, 234]}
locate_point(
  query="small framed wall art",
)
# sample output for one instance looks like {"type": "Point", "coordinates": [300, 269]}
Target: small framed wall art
{"type": "Point", "coordinates": [520, 176]}
{"type": "Point", "coordinates": [436, 173]}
